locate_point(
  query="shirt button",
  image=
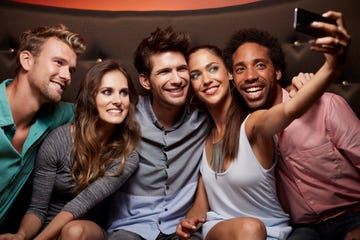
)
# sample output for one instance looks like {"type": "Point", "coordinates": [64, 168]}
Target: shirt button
{"type": "Point", "coordinates": [159, 222]}
{"type": "Point", "coordinates": [166, 209]}
{"type": "Point", "coordinates": [298, 180]}
{"type": "Point", "coordinates": [167, 187]}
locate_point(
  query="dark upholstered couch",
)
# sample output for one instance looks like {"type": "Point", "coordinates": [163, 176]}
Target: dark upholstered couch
{"type": "Point", "coordinates": [115, 34]}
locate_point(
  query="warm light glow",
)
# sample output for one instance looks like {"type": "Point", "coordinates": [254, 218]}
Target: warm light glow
{"type": "Point", "coordinates": [138, 5]}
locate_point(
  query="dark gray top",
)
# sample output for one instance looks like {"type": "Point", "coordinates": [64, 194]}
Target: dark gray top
{"type": "Point", "coordinates": [53, 183]}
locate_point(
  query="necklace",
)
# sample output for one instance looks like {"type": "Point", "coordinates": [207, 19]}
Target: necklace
{"type": "Point", "coordinates": [217, 159]}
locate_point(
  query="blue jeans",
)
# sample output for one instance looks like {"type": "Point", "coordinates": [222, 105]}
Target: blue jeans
{"type": "Point", "coordinates": [332, 229]}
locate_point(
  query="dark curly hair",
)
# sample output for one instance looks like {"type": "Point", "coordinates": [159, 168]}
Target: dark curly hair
{"type": "Point", "coordinates": [262, 38]}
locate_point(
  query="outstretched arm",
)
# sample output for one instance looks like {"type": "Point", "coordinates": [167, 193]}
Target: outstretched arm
{"type": "Point", "coordinates": [334, 46]}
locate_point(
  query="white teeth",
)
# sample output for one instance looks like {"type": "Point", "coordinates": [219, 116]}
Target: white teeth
{"type": "Point", "coordinates": [57, 85]}
{"type": "Point", "coordinates": [253, 89]}
{"type": "Point", "coordinates": [115, 110]}
{"type": "Point", "coordinates": [210, 90]}
{"type": "Point", "coordinates": [175, 90]}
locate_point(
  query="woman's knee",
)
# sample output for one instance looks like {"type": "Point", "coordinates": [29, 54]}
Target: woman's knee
{"type": "Point", "coordinates": [253, 226]}
{"type": "Point", "coordinates": [238, 228]}
{"type": "Point", "coordinates": [81, 230]}
{"type": "Point", "coordinates": [72, 230]}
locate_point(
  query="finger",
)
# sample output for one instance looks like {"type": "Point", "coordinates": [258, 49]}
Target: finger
{"type": "Point", "coordinates": [297, 81]}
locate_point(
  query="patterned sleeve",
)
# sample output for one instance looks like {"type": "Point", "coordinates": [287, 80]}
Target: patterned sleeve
{"type": "Point", "coordinates": [101, 188]}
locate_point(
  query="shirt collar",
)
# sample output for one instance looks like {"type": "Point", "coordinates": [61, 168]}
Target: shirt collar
{"type": "Point", "coordinates": [6, 118]}
{"type": "Point", "coordinates": [149, 111]}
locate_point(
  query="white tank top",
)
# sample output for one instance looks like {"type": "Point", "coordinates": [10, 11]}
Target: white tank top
{"type": "Point", "coordinates": [245, 189]}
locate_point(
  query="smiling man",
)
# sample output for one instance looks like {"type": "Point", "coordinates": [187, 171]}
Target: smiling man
{"type": "Point", "coordinates": [30, 106]}
{"type": "Point", "coordinates": [162, 190]}
{"type": "Point", "coordinates": [318, 175]}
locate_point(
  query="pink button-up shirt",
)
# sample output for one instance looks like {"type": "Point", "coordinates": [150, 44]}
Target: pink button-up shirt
{"type": "Point", "coordinates": [319, 169]}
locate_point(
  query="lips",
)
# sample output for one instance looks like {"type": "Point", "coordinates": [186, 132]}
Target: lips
{"type": "Point", "coordinates": [211, 90]}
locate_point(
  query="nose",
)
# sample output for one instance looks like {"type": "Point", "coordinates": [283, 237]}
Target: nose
{"type": "Point", "coordinates": [117, 99]}
{"type": "Point", "coordinates": [251, 74]}
{"type": "Point", "coordinates": [65, 74]}
{"type": "Point", "coordinates": [207, 78]}
{"type": "Point", "coordinates": [176, 77]}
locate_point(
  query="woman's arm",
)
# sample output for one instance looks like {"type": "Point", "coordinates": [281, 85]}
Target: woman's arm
{"type": "Point", "coordinates": [29, 226]}
{"type": "Point", "coordinates": [196, 214]}
{"type": "Point", "coordinates": [53, 229]}
{"type": "Point", "coordinates": [90, 197]}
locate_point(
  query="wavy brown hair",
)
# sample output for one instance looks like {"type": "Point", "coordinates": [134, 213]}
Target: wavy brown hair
{"type": "Point", "coordinates": [91, 157]}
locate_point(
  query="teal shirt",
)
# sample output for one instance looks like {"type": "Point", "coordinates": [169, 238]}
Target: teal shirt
{"type": "Point", "coordinates": [15, 168]}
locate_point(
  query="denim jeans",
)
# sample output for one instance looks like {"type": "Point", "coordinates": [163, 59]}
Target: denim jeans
{"type": "Point", "coordinates": [332, 229]}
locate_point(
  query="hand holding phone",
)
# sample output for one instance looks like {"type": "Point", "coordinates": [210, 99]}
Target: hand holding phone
{"type": "Point", "coordinates": [303, 20]}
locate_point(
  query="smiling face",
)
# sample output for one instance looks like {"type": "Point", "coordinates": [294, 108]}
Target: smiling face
{"type": "Point", "coordinates": [112, 99]}
{"type": "Point", "coordinates": [49, 73]}
{"type": "Point", "coordinates": [169, 80]}
{"type": "Point", "coordinates": [255, 75]}
{"type": "Point", "coordinates": [209, 77]}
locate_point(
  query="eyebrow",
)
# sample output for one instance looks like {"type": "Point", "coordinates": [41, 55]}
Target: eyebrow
{"type": "Point", "coordinates": [256, 60]}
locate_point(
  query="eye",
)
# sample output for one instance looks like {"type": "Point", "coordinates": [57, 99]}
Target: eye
{"type": "Point", "coordinates": [124, 92]}
{"type": "Point", "coordinates": [261, 66]}
{"type": "Point", "coordinates": [239, 69]}
{"type": "Point", "coordinates": [182, 68]}
{"type": "Point", "coordinates": [194, 75]}
{"type": "Point", "coordinates": [106, 92]}
{"type": "Point", "coordinates": [59, 62]}
{"type": "Point", "coordinates": [213, 69]}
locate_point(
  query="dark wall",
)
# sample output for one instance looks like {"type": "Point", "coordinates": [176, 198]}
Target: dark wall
{"type": "Point", "coordinates": [116, 34]}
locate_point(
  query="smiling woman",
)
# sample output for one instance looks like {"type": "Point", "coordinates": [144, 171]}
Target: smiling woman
{"type": "Point", "coordinates": [140, 5]}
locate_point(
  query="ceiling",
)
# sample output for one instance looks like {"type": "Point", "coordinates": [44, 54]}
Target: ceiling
{"type": "Point", "coordinates": [138, 5]}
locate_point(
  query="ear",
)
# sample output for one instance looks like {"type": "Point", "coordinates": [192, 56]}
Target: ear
{"type": "Point", "coordinates": [26, 59]}
{"type": "Point", "coordinates": [144, 81]}
{"type": "Point", "coordinates": [278, 74]}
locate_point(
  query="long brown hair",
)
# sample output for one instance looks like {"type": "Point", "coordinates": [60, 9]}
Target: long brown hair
{"type": "Point", "coordinates": [90, 157]}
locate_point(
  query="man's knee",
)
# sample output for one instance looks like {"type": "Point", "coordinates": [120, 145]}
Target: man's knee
{"type": "Point", "coordinates": [301, 233]}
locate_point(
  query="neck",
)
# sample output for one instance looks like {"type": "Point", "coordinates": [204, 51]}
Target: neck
{"type": "Point", "coordinates": [23, 105]}
{"type": "Point", "coordinates": [167, 116]}
{"type": "Point", "coordinates": [218, 114]}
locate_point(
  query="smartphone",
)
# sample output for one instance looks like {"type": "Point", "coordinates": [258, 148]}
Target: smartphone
{"type": "Point", "coordinates": [303, 19]}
